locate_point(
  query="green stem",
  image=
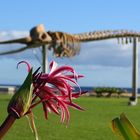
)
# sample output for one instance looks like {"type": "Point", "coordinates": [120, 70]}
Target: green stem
{"type": "Point", "coordinates": [6, 125]}
{"type": "Point", "coordinates": [32, 123]}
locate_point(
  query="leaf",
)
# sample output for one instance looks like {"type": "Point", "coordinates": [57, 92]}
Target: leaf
{"type": "Point", "coordinates": [124, 128]}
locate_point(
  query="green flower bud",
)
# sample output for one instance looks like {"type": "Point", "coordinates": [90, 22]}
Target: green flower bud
{"type": "Point", "coordinates": [21, 101]}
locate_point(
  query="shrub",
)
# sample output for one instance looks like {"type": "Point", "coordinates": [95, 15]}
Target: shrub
{"type": "Point", "coordinates": [108, 91]}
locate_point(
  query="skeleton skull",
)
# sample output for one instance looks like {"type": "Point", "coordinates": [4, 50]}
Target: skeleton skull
{"type": "Point", "coordinates": [39, 34]}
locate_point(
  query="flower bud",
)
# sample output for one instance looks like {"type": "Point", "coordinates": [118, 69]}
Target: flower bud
{"type": "Point", "coordinates": [21, 101]}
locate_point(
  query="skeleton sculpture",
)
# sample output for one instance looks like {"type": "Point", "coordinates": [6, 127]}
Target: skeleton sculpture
{"type": "Point", "coordinates": [64, 44]}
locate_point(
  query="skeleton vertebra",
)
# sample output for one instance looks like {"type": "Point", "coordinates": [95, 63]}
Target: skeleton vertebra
{"type": "Point", "coordinates": [107, 34]}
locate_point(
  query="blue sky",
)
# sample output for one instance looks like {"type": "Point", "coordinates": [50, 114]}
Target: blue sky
{"type": "Point", "coordinates": [103, 63]}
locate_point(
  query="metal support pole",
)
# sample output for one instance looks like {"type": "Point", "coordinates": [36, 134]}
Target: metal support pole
{"type": "Point", "coordinates": [133, 98]}
{"type": "Point", "coordinates": [44, 59]}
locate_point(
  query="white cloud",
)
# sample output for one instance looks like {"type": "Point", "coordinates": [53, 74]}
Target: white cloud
{"type": "Point", "coordinates": [103, 63]}
{"type": "Point", "coordinates": [97, 75]}
{"type": "Point", "coordinates": [5, 35]}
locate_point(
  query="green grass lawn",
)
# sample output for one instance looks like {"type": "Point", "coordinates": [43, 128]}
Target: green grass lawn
{"type": "Point", "coordinates": [92, 124]}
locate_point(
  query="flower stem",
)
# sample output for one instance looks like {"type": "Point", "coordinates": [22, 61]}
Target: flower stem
{"type": "Point", "coordinates": [6, 125]}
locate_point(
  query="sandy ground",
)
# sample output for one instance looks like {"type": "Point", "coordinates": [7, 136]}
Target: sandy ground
{"type": "Point", "coordinates": [113, 95]}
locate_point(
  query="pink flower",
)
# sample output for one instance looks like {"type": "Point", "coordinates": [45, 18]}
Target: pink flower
{"type": "Point", "coordinates": [55, 90]}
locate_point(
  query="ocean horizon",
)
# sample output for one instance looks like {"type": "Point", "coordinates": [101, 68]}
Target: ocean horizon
{"type": "Point", "coordinates": [83, 88]}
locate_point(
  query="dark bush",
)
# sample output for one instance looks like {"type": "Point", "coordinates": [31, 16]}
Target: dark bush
{"type": "Point", "coordinates": [108, 91]}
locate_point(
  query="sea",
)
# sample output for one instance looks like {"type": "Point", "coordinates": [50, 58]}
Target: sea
{"type": "Point", "coordinates": [83, 88]}
{"type": "Point", "coordinates": [90, 89]}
